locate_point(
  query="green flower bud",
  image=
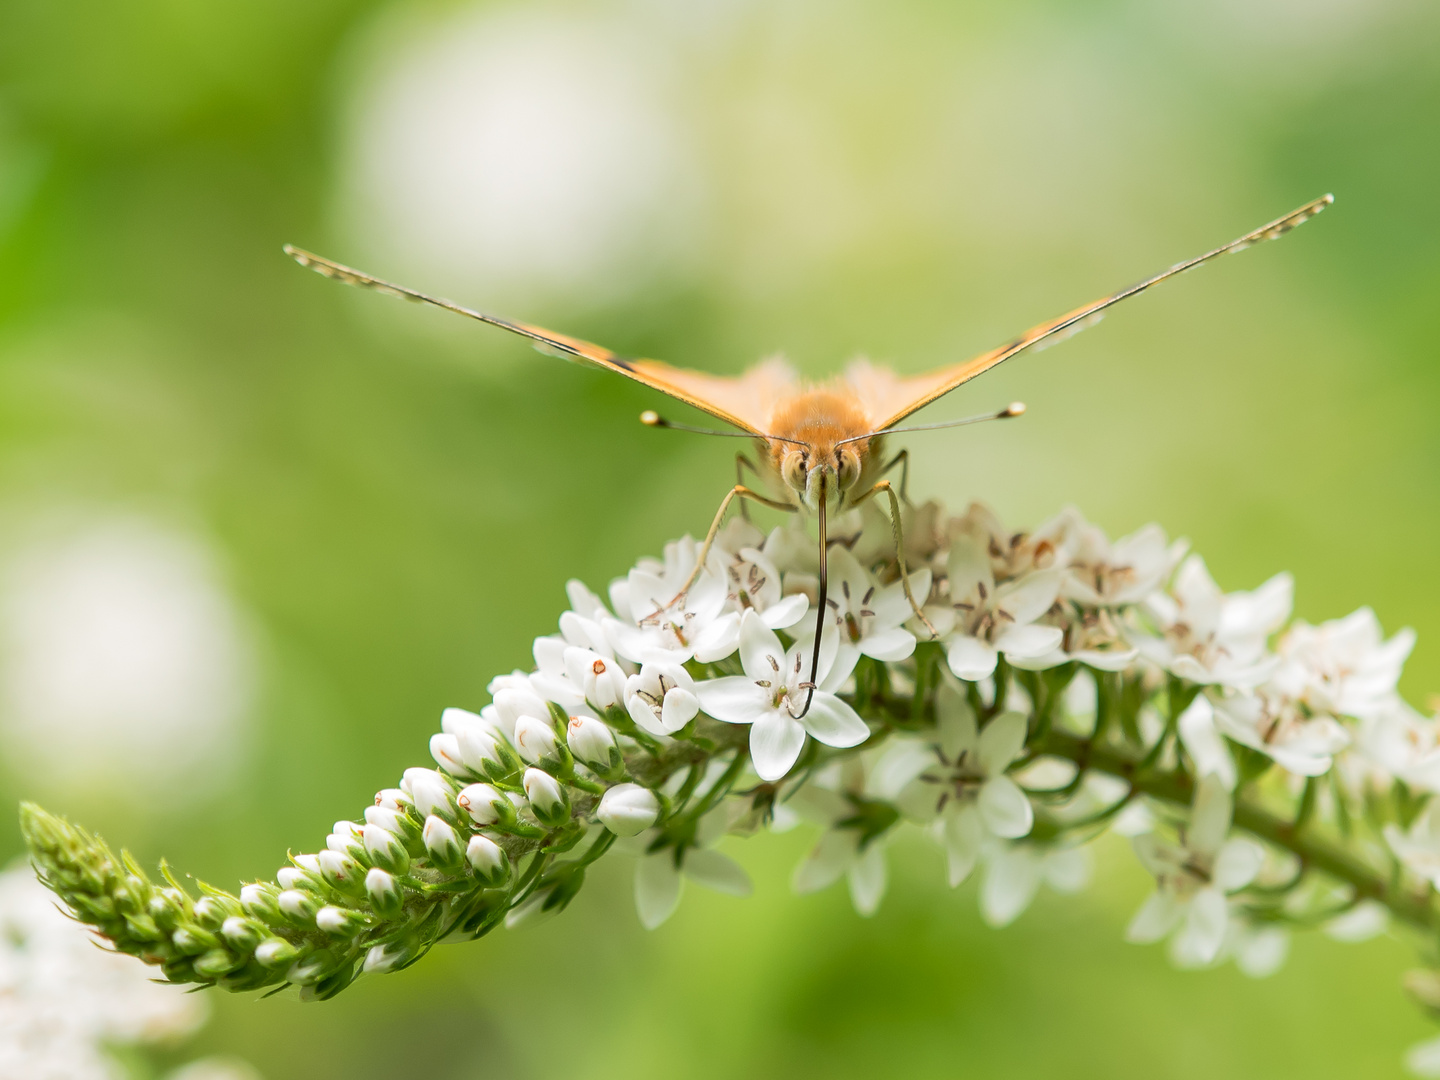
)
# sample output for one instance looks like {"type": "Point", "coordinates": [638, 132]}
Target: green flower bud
{"type": "Point", "coordinates": [488, 860]}
{"type": "Point", "coordinates": [443, 844]}
{"type": "Point", "coordinates": [384, 892]}
{"type": "Point", "coordinates": [275, 952]}
{"type": "Point", "coordinates": [386, 850]}
{"type": "Point", "coordinates": [548, 798]}
{"type": "Point", "coordinates": [241, 933]}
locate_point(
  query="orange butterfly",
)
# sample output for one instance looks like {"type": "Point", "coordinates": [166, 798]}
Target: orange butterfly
{"type": "Point", "coordinates": [821, 442]}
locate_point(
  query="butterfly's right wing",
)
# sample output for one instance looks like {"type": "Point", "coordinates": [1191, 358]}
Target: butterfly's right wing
{"type": "Point", "coordinates": [743, 401]}
{"type": "Point", "coordinates": [894, 401]}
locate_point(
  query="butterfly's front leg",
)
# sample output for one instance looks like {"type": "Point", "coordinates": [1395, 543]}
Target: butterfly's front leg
{"type": "Point", "coordinates": [741, 464]}
{"type": "Point", "coordinates": [899, 532]}
{"type": "Point", "coordinates": [742, 492]}
{"type": "Point", "coordinates": [903, 460]}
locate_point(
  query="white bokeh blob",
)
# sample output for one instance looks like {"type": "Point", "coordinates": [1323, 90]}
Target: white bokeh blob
{"type": "Point", "coordinates": [124, 666]}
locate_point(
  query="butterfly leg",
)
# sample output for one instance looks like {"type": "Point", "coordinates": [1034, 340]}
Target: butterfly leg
{"type": "Point", "coordinates": [899, 532]}
{"type": "Point", "coordinates": [903, 460]}
{"type": "Point", "coordinates": [741, 464]}
{"type": "Point", "coordinates": [740, 491]}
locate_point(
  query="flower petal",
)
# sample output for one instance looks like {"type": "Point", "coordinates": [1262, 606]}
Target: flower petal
{"type": "Point", "coordinates": [733, 699]}
{"type": "Point", "coordinates": [963, 833]}
{"type": "Point", "coordinates": [644, 716]}
{"type": "Point", "coordinates": [1202, 741]}
{"type": "Point", "coordinates": [657, 888]}
{"type": "Point", "coordinates": [970, 658]}
{"type": "Point", "coordinates": [888, 645]}
{"type": "Point", "coordinates": [827, 861]}
{"type": "Point", "coordinates": [716, 871]}
{"type": "Point", "coordinates": [1011, 880]}
{"type": "Point", "coordinates": [775, 742]}
{"type": "Point", "coordinates": [761, 654]}
{"type": "Point", "coordinates": [868, 878]}
{"type": "Point", "coordinates": [1237, 864]}
{"type": "Point", "coordinates": [678, 709]}
{"type": "Point", "coordinates": [1202, 935]}
{"type": "Point", "coordinates": [1030, 642]}
{"type": "Point", "coordinates": [1156, 918]}
{"type": "Point", "coordinates": [719, 639]}
{"type": "Point", "coordinates": [786, 612]}
{"type": "Point", "coordinates": [1005, 809]}
{"type": "Point", "coordinates": [1001, 742]}
{"type": "Point", "coordinates": [833, 722]}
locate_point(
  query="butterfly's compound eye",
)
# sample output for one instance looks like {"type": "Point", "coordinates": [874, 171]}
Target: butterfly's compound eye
{"type": "Point", "coordinates": [794, 466]}
{"type": "Point", "coordinates": [847, 467]}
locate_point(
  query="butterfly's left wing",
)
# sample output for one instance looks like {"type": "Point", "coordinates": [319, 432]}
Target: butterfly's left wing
{"type": "Point", "coordinates": [907, 395]}
{"type": "Point", "coordinates": [741, 401]}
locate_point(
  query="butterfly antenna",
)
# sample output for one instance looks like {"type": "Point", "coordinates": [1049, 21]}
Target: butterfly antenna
{"type": "Point", "coordinates": [820, 614]}
{"type": "Point", "coordinates": [650, 418]}
{"type": "Point", "coordinates": [1015, 408]}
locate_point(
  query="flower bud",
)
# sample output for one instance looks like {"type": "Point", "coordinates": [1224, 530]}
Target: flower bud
{"type": "Point", "coordinates": [384, 893]}
{"type": "Point", "coordinates": [341, 922]}
{"type": "Point", "coordinates": [535, 739]}
{"type": "Point", "coordinates": [486, 753]}
{"type": "Point", "coordinates": [311, 969]}
{"type": "Point", "coordinates": [341, 871]}
{"type": "Point", "coordinates": [309, 863]}
{"type": "Point", "coordinates": [486, 805]}
{"type": "Point", "coordinates": [272, 952]}
{"type": "Point", "coordinates": [387, 818]}
{"type": "Point", "coordinates": [442, 844]}
{"type": "Point", "coordinates": [299, 907]}
{"type": "Point", "coordinates": [627, 809]}
{"type": "Point", "coordinates": [211, 911]}
{"type": "Point", "coordinates": [488, 860]}
{"type": "Point", "coordinates": [383, 958]}
{"type": "Point", "coordinates": [386, 850]}
{"type": "Point", "coordinates": [292, 877]}
{"type": "Point", "coordinates": [241, 933]}
{"type": "Point", "coordinates": [445, 749]}
{"type": "Point", "coordinates": [217, 962]}
{"type": "Point", "coordinates": [345, 838]}
{"type": "Point", "coordinates": [592, 742]}
{"type": "Point", "coordinates": [431, 791]}
{"type": "Point", "coordinates": [259, 900]}
{"type": "Point", "coordinates": [547, 798]}
{"type": "Point", "coordinates": [393, 799]}
{"type": "Point", "coordinates": [453, 721]}
{"type": "Point", "coordinates": [193, 940]}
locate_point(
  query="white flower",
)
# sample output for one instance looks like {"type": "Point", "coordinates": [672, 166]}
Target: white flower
{"type": "Point", "coordinates": [659, 874]}
{"type": "Point", "coordinates": [651, 625]}
{"type": "Point", "coordinates": [1397, 741]}
{"type": "Point", "coordinates": [1193, 877]}
{"type": "Point", "coordinates": [1102, 574]}
{"type": "Point", "coordinates": [63, 1001]}
{"type": "Point", "coordinates": [1419, 847]}
{"type": "Point", "coordinates": [755, 585]}
{"type": "Point", "coordinates": [1015, 554]}
{"type": "Point", "coordinates": [1209, 637]}
{"type": "Point", "coordinates": [628, 809]}
{"type": "Point", "coordinates": [989, 620]}
{"type": "Point", "coordinates": [966, 792]}
{"type": "Point", "coordinates": [661, 698]}
{"type": "Point", "coordinates": [1343, 667]}
{"type": "Point", "coordinates": [770, 694]}
{"type": "Point", "coordinates": [1014, 873]}
{"type": "Point", "coordinates": [1278, 727]}
{"type": "Point", "coordinates": [851, 854]}
{"type": "Point", "coordinates": [867, 615]}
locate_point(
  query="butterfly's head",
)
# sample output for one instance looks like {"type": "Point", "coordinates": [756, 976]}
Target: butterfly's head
{"type": "Point", "coordinates": [815, 471]}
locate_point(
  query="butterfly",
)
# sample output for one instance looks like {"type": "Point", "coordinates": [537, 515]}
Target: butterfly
{"type": "Point", "coordinates": [821, 445]}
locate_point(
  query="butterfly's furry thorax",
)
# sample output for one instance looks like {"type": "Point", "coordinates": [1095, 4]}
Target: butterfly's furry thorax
{"type": "Point", "coordinates": [812, 430]}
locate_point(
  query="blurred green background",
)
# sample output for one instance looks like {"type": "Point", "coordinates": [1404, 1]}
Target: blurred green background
{"type": "Point", "coordinates": [380, 504]}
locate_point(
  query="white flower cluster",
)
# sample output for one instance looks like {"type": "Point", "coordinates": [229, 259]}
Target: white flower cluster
{"type": "Point", "coordinates": [64, 1002]}
{"type": "Point", "coordinates": [1267, 772]}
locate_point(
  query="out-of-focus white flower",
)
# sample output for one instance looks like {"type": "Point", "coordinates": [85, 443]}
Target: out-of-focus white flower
{"type": "Point", "coordinates": [1344, 667]}
{"type": "Point", "coordinates": [492, 150]}
{"type": "Point", "coordinates": [1423, 1059]}
{"type": "Point", "coordinates": [1193, 877]}
{"type": "Point", "coordinates": [1259, 950]}
{"type": "Point", "coordinates": [63, 1001]}
{"type": "Point", "coordinates": [847, 853]}
{"type": "Point", "coordinates": [770, 694]}
{"type": "Point", "coordinates": [121, 655]}
{"type": "Point", "coordinates": [1104, 574]}
{"type": "Point", "coordinates": [1209, 637]}
{"type": "Point", "coordinates": [868, 616]}
{"type": "Point", "coordinates": [1419, 846]}
{"type": "Point", "coordinates": [1274, 725]}
{"type": "Point", "coordinates": [990, 619]}
{"type": "Point", "coordinates": [1015, 554]}
{"type": "Point", "coordinates": [660, 874]}
{"type": "Point", "coordinates": [966, 792]}
{"type": "Point", "coordinates": [1361, 923]}
{"type": "Point", "coordinates": [1396, 741]}
{"type": "Point", "coordinates": [1015, 872]}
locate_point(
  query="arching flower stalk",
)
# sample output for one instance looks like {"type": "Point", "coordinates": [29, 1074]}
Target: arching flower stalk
{"type": "Point", "coordinates": [1271, 777]}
